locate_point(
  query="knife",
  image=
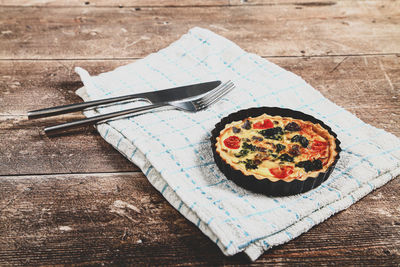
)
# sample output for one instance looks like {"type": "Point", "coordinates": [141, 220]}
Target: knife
{"type": "Point", "coordinates": [155, 97]}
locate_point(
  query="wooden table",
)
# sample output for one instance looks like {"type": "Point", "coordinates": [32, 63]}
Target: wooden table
{"type": "Point", "coordinates": [76, 200]}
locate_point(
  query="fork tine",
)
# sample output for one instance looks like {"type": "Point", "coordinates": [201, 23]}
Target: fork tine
{"type": "Point", "coordinates": [217, 90]}
{"type": "Point", "coordinates": [228, 86]}
{"type": "Point", "coordinates": [215, 96]}
{"type": "Point", "coordinates": [218, 97]}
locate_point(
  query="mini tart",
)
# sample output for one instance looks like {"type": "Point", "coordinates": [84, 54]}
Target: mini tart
{"type": "Point", "coordinates": [275, 151]}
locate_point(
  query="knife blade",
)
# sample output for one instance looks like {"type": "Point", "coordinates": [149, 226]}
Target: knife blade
{"type": "Point", "coordinates": [155, 97]}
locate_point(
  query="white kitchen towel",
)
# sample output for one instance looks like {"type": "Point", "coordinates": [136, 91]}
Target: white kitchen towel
{"type": "Point", "coordinates": [172, 148]}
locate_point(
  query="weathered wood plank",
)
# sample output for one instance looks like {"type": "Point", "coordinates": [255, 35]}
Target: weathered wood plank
{"type": "Point", "coordinates": [28, 85]}
{"type": "Point", "coordinates": [349, 27]}
{"type": "Point", "coordinates": [29, 151]}
{"type": "Point", "coordinates": [366, 86]}
{"type": "Point", "coordinates": [299, 4]}
{"type": "Point", "coordinates": [24, 148]}
{"type": "Point", "coordinates": [120, 219]}
{"type": "Point", "coordinates": [167, 3]}
{"type": "Point", "coordinates": [120, 3]}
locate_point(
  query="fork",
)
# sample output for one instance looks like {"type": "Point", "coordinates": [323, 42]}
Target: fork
{"type": "Point", "coordinates": [192, 105]}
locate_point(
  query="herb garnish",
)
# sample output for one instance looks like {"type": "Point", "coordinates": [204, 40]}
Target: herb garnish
{"type": "Point", "coordinates": [308, 165]}
{"type": "Point", "coordinates": [242, 153]}
{"type": "Point", "coordinates": [286, 157]}
{"type": "Point", "coordinates": [248, 146]}
{"type": "Point", "coordinates": [272, 133]}
{"type": "Point", "coordinates": [251, 164]}
{"type": "Point", "coordinates": [300, 139]}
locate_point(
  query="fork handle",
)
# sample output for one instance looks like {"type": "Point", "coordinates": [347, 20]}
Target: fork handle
{"type": "Point", "coordinates": [92, 120]}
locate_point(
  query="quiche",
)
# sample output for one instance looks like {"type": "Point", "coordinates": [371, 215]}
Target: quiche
{"type": "Point", "coordinates": [277, 148]}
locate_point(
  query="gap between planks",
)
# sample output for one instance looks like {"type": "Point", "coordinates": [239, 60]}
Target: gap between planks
{"type": "Point", "coordinates": [304, 3]}
{"type": "Point", "coordinates": [76, 175]}
{"type": "Point", "coordinates": [182, 4]}
{"type": "Point", "coordinates": [227, 4]}
{"type": "Point", "coordinates": [137, 58]}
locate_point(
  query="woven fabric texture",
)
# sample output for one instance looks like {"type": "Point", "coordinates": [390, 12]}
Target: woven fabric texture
{"type": "Point", "coordinates": [172, 147]}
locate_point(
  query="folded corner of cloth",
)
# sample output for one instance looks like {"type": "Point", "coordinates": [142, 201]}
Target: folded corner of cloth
{"type": "Point", "coordinates": [172, 148]}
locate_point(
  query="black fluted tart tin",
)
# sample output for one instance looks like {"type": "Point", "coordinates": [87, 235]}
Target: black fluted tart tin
{"type": "Point", "coordinates": [266, 186]}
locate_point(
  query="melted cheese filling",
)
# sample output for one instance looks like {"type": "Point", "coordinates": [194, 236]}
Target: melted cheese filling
{"type": "Point", "coordinates": [267, 151]}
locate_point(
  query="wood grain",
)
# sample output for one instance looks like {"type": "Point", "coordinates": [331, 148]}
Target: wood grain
{"type": "Point", "coordinates": [37, 84]}
{"type": "Point", "coordinates": [347, 28]}
{"type": "Point", "coordinates": [75, 200]}
{"type": "Point", "coordinates": [25, 149]}
{"type": "Point", "coordinates": [120, 3]}
{"type": "Point", "coordinates": [28, 85]}
{"type": "Point", "coordinates": [120, 219]}
{"type": "Point", "coordinates": [29, 151]}
{"type": "Point", "coordinates": [164, 3]}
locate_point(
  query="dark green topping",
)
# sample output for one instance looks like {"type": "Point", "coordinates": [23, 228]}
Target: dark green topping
{"type": "Point", "coordinates": [272, 133]}
{"type": "Point", "coordinates": [242, 153]}
{"type": "Point", "coordinates": [246, 140]}
{"type": "Point", "coordinates": [309, 166]}
{"type": "Point", "coordinates": [300, 139]}
{"type": "Point", "coordinates": [286, 157]}
{"type": "Point", "coordinates": [292, 127]}
{"type": "Point", "coordinates": [235, 130]}
{"type": "Point", "coordinates": [248, 146]}
{"type": "Point", "coordinates": [251, 164]}
{"type": "Point", "coordinates": [279, 148]}
{"type": "Point", "coordinates": [247, 125]}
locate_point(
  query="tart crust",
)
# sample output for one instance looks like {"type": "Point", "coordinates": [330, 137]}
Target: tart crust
{"type": "Point", "coordinates": [232, 163]}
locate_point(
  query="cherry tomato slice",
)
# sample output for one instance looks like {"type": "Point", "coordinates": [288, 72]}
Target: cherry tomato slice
{"type": "Point", "coordinates": [232, 142]}
{"type": "Point", "coordinates": [319, 145]}
{"type": "Point", "coordinates": [281, 172]}
{"type": "Point", "coordinates": [266, 124]}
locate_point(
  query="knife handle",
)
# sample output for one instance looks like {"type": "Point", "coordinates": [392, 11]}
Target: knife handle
{"type": "Point", "coordinates": [92, 120]}
{"type": "Point", "coordinates": [47, 112]}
